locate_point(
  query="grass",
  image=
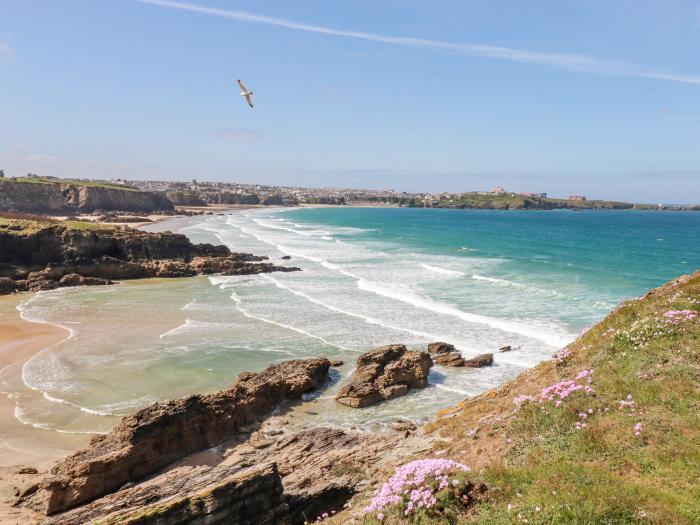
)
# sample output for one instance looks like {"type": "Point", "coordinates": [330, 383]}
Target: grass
{"type": "Point", "coordinates": [541, 469]}
{"type": "Point", "coordinates": [27, 224]}
{"type": "Point", "coordinates": [514, 201]}
{"type": "Point", "coordinates": [76, 182]}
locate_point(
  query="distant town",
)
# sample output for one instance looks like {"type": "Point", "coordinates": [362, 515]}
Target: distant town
{"type": "Point", "coordinates": [205, 193]}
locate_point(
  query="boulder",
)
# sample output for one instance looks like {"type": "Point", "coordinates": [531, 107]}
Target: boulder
{"type": "Point", "coordinates": [479, 361]}
{"type": "Point", "coordinates": [385, 373]}
{"type": "Point", "coordinates": [506, 348]}
{"type": "Point", "coordinates": [445, 354]}
{"type": "Point", "coordinates": [74, 279]}
{"type": "Point", "coordinates": [7, 285]}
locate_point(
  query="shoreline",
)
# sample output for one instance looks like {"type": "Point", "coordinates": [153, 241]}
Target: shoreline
{"type": "Point", "coordinates": [21, 340]}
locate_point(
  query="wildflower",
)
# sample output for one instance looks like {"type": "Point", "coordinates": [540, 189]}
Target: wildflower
{"type": "Point", "coordinates": [676, 316]}
{"type": "Point", "coordinates": [637, 429]}
{"type": "Point", "coordinates": [455, 482]}
{"type": "Point", "coordinates": [518, 401]}
{"type": "Point", "coordinates": [414, 484]}
{"type": "Point", "coordinates": [562, 355]}
{"type": "Point", "coordinates": [538, 509]}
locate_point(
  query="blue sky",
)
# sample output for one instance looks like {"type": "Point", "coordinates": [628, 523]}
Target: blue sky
{"type": "Point", "coordinates": [581, 96]}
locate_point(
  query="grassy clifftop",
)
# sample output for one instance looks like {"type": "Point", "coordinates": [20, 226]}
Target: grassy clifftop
{"type": "Point", "coordinates": [25, 224]}
{"type": "Point", "coordinates": [521, 202]}
{"type": "Point", "coordinates": [76, 182]}
{"type": "Point", "coordinates": [608, 431]}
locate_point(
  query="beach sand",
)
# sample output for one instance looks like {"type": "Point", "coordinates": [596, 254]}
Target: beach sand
{"type": "Point", "coordinates": [19, 341]}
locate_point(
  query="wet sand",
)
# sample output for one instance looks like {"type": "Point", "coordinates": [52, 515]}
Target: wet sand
{"type": "Point", "coordinates": [19, 341]}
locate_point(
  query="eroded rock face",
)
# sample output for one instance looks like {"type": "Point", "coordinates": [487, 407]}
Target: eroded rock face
{"type": "Point", "coordinates": [42, 260]}
{"type": "Point", "coordinates": [318, 471]}
{"type": "Point", "coordinates": [385, 373]}
{"type": "Point", "coordinates": [445, 354]}
{"type": "Point", "coordinates": [164, 432]}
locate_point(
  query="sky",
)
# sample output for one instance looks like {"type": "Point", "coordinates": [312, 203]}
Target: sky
{"type": "Point", "coordinates": [592, 97]}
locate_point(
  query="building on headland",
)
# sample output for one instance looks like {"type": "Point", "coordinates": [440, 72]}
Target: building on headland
{"type": "Point", "coordinates": [498, 190]}
{"type": "Point", "coordinates": [577, 197]}
{"type": "Point", "coordinates": [531, 194]}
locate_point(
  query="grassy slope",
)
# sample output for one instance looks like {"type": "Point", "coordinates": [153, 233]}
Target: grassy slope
{"type": "Point", "coordinates": [535, 458]}
{"type": "Point", "coordinates": [28, 226]}
{"type": "Point", "coordinates": [76, 182]}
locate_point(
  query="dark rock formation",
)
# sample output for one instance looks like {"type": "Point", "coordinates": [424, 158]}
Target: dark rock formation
{"type": "Point", "coordinates": [73, 279]}
{"type": "Point", "coordinates": [42, 259]}
{"type": "Point", "coordinates": [164, 432]}
{"type": "Point", "coordinates": [185, 198]}
{"type": "Point", "coordinates": [445, 354]}
{"type": "Point", "coordinates": [228, 197]}
{"type": "Point", "coordinates": [385, 373]}
{"type": "Point", "coordinates": [506, 348]}
{"type": "Point", "coordinates": [318, 470]}
{"type": "Point", "coordinates": [69, 198]}
{"type": "Point", "coordinates": [479, 361]}
{"type": "Point", "coordinates": [273, 200]}
{"type": "Point", "coordinates": [7, 285]}
{"type": "Point", "coordinates": [242, 496]}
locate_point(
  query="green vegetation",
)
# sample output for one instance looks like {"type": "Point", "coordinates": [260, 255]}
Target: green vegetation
{"type": "Point", "coordinates": [509, 201]}
{"type": "Point", "coordinates": [76, 182]}
{"type": "Point", "coordinates": [26, 224]}
{"type": "Point", "coordinates": [606, 432]}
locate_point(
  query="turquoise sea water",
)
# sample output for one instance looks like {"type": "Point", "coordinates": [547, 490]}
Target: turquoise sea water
{"type": "Point", "coordinates": [370, 276]}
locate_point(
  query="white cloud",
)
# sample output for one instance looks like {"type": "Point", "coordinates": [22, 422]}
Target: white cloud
{"type": "Point", "coordinates": [573, 62]}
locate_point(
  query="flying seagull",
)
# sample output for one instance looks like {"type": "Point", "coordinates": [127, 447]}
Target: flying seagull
{"type": "Point", "coordinates": [246, 93]}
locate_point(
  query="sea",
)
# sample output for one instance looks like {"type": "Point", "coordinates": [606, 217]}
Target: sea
{"type": "Point", "coordinates": [479, 279]}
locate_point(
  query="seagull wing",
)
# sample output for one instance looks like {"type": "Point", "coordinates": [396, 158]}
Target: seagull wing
{"type": "Point", "coordinates": [240, 83]}
{"type": "Point", "coordinates": [249, 99]}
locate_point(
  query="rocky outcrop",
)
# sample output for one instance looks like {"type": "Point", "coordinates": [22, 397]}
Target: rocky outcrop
{"type": "Point", "coordinates": [185, 198]}
{"type": "Point", "coordinates": [385, 373]}
{"type": "Point", "coordinates": [445, 354]}
{"type": "Point", "coordinates": [164, 432]}
{"type": "Point", "coordinates": [479, 361]}
{"type": "Point", "coordinates": [228, 197]}
{"type": "Point", "coordinates": [42, 259]}
{"type": "Point", "coordinates": [55, 197]}
{"type": "Point", "coordinates": [292, 480]}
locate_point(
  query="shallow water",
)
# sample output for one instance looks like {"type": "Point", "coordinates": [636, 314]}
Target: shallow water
{"type": "Point", "coordinates": [477, 279]}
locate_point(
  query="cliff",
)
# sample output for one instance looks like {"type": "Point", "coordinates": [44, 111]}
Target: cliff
{"type": "Point", "coordinates": [42, 255]}
{"type": "Point", "coordinates": [55, 197]}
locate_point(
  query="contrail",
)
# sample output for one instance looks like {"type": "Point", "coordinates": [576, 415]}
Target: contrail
{"type": "Point", "coordinates": [573, 62]}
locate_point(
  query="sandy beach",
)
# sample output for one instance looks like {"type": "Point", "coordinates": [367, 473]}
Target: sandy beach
{"type": "Point", "coordinates": [20, 340]}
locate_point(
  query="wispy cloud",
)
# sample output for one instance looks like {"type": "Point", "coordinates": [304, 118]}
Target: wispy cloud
{"type": "Point", "coordinates": [572, 62]}
{"type": "Point", "coordinates": [6, 50]}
